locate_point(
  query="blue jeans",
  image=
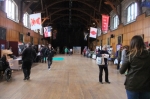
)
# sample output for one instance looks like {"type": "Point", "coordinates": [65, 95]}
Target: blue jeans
{"type": "Point", "coordinates": [137, 95]}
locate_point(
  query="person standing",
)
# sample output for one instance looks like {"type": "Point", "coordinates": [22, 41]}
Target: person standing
{"type": "Point", "coordinates": [136, 63]}
{"type": "Point", "coordinates": [66, 51]}
{"type": "Point", "coordinates": [119, 58]}
{"type": "Point", "coordinates": [103, 67]}
{"type": "Point", "coordinates": [28, 55]}
{"type": "Point", "coordinates": [50, 54]}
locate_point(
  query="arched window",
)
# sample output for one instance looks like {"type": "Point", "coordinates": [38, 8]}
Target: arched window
{"type": "Point", "coordinates": [131, 12]}
{"type": "Point", "coordinates": [115, 22]}
{"type": "Point", "coordinates": [12, 10]}
{"type": "Point", "coordinates": [26, 20]}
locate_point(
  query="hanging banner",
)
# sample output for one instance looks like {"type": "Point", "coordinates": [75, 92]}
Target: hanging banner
{"type": "Point", "coordinates": [93, 32]}
{"type": "Point", "coordinates": [35, 21]}
{"type": "Point", "coordinates": [105, 20]}
{"type": "Point", "coordinates": [47, 31]}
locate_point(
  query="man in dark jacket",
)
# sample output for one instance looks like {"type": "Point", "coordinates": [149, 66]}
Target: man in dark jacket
{"type": "Point", "coordinates": [49, 54]}
{"type": "Point", "coordinates": [28, 56]}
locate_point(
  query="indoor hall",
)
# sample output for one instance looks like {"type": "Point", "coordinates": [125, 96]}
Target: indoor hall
{"type": "Point", "coordinates": [74, 26]}
{"type": "Point", "coordinates": [75, 77]}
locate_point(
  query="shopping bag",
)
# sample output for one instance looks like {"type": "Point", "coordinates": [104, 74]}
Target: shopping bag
{"type": "Point", "coordinates": [100, 61]}
{"type": "Point", "coordinates": [106, 55]}
{"type": "Point", "coordinates": [116, 61]}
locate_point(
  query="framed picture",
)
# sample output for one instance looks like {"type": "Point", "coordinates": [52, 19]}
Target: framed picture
{"type": "Point", "coordinates": [101, 42]}
{"type": "Point", "coordinates": [20, 37]}
{"type": "Point", "coordinates": [31, 40]}
{"type": "Point", "coordinates": [108, 41]}
{"type": "Point", "coordinates": [120, 39]}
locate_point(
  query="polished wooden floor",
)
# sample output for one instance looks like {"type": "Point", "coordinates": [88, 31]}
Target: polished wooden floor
{"type": "Point", "coordinates": [74, 78]}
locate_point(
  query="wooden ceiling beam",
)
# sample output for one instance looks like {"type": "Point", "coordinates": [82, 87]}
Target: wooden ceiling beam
{"type": "Point", "coordinates": [112, 6]}
{"type": "Point", "coordinates": [72, 1]}
{"type": "Point", "coordinates": [68, 15]}
{"type": "Point", "coordinates": [76, 10]}
{"type": "Point", "coordinates": [27, 7]}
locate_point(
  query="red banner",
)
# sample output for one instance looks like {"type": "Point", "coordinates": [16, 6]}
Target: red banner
{"type": "Point", "coordinates": [105, 20]}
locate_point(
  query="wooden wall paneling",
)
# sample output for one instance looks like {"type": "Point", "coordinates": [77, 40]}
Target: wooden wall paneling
{"type": "Point", "coordinates": [36, 41]}
{"type": "Point", "coordinates": [33, 40]}
{"type": "Point", "coordinates": [128, 28]}
{"type": "Point", "coordinates": [149, 32]}
{"type": "Point", "coordinates": [141, 17]}
{"type": "Point", "coordinates": [132, 27]}
{"type": "Point", "coordinates": [129, 36]}
{"type": "Point", "coordinates": [125, 29]}
{"type": "Point", "coordinates": [14, 28]}
{"type": "Point", "coordinates": [120, 31]}
{"type": "Point", "coordinates": [149, 40]}
{"type": "Point", "coordinates": [146, 22]}
{"type": "Point", "coordinates": [145, 32]}
{"type": "Point", "coordinates": [125, 37]}
{"type": "Point", "coordinates": [146, 39]}
{"type": "Point", "coordinates": [139, 32]}
{"type": "Point", "coordinates": [140, 24]}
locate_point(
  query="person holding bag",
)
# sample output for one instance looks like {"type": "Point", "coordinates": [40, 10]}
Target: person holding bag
{"type": "Point", "coordinates": [137, 83]}
{"type": "Point", "coordinates": [103, 54]}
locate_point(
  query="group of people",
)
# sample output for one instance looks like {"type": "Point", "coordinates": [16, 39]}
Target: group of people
{"type": "Point", "coordinates": [135, 61]}
{"type": "Point", "coordinates": [28, 56]}
{"type": "Point", "coordinates": [68, 51]}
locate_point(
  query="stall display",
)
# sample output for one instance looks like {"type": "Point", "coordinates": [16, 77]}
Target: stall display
{"type": "Point", "coordinates": [15, 63]}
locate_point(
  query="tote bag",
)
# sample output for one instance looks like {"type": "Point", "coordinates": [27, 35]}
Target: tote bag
{"type": "Point", "coordinates": [100, 61]}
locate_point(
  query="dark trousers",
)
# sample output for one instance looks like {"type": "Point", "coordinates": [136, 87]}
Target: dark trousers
{"type": "Point", "coordinates": [49, 63]}
{"type": "Point", "coordinates": [43, 59]}
{"type": "Point", "coordinates": [26, 66]}
{"type": "Point", "coordinates": [118, 65]}
{"type": "Point", "coordinates": [101, 68]}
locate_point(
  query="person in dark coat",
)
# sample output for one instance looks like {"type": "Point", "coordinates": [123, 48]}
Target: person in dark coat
{"type": "Point", "coordinates": [103, 67]}
{"type": "Point", "coordinates": [49, 54]}
{"type": "Point", "coordinates": [28, 56]}
{"type": "Point", "coordinates": [137, 65]}
{"type": "Point", "coordinates": [43, 54]}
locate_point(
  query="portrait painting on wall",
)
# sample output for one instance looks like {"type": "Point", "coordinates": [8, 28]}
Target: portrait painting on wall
{"type": "Point", "coordinates": [120, 39]}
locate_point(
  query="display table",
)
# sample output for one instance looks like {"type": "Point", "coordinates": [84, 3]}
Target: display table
{"type": "Point", "coordinates": [15, 63]}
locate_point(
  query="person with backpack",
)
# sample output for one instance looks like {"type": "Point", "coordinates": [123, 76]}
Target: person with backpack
{"type": "Point", "coordinates": [49, 53]}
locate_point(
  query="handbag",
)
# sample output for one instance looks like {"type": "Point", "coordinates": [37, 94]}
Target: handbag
{"type": "Point", "coordinates": [100, 61]}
